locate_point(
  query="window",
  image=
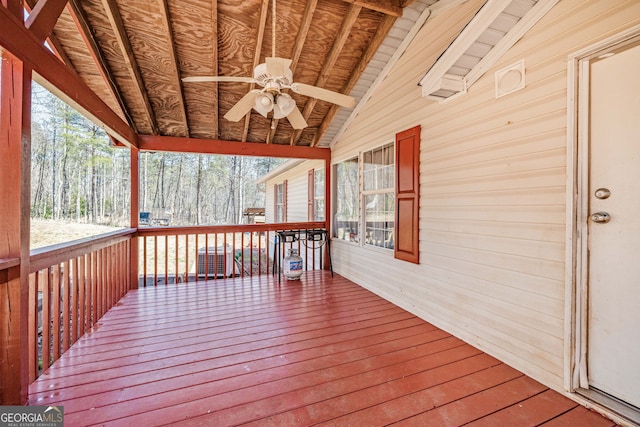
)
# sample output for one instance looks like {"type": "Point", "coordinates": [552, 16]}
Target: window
{"type": "Point", "coordinates": [347, 201]}
{"type": "Point", "coordinates": [315, 195]}
{"type": "Point", "coordinates": [280, 197]}
{"type": "Point", "coordinates": [378, 196]}
{"type": "Point", "coordinates": [318, 195]}
{"type": "Point", "coordinates": [385, 202]}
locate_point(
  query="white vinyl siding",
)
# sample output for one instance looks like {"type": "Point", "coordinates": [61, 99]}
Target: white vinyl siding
{"type": "Point", "coordinates": [493, 189]}
{"type": "Point", "coordinates": [297, 188]}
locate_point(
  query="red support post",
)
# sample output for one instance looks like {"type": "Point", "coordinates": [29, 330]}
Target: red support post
{"type": "Point", "coordinates": [15, 182]}
{"type": "Point", "coordinates": [135, 218]}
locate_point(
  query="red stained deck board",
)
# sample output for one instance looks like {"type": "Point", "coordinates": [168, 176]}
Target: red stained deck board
{"type": "Point", "coordinates": [532, 411]}
{"type": "Point", "coordinates": [254, 372]}
{"type": "Point", "coordinates": [579, 416]}
{"type": "Point", "coordinates": [252, 350]}
{"type": "Point", "coordinates": [230, 335]}
{"type": "Point", "coordinates": [379, 394]}
{"type": "Point", "coordinates": [477, 405]}
{"type": "Point", "coordinates": [218, 357]}
{"type": "Point", "coordinates": [234, 392]}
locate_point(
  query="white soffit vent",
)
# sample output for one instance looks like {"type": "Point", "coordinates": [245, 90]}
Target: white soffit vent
{"type": "Point", "coordinates": [509, 79]}
{"type": "Point", "coordinates": [497, 26]}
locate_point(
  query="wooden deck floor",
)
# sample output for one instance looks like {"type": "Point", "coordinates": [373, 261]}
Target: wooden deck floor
{"type": "Point", "coordinates": [319, 351]}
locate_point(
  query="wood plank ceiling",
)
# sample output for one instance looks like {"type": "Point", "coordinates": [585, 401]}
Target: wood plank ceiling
{"type": "Point", "coordinates": [133, 54]}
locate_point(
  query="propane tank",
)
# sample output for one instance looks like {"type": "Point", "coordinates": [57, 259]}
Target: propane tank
{"type": "Point", "coordinates": [293, 265]}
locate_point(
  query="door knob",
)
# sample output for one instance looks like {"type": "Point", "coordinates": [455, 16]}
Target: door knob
{"type": "Point", "coordinates": [600, 217]}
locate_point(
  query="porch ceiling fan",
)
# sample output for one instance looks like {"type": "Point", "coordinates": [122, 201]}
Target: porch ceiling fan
{"type": "Point", "coordinates": [273, 76]}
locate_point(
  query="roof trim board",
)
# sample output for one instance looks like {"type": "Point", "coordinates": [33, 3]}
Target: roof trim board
{"type": "Point", "coordinates": [504, 21]}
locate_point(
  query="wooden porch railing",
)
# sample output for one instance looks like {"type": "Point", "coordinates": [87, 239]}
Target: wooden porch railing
{"type": "Point", "coordinates": [186, 254]}
{"type": "Point", "coordinates": [71, 286]}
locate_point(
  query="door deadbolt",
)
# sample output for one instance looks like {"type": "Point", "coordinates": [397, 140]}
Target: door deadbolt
{"type": "Point", "coordinates": [602, 193]}
{"type": "Point", "coordinates": [600, 217]}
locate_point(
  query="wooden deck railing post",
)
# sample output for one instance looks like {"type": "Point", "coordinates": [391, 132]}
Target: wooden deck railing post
{"type": "Point", "coordinates": [15, 189]}
{"type": "Point", "coordinates": [135, 218]}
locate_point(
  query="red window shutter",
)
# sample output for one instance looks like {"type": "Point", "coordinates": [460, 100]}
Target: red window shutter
{"type": "Point", "coordinates": [284, 199]}
{"type": "Point", "coordinates": [310, 195]}
{"type": "Point", "coordinates": [407, 223]}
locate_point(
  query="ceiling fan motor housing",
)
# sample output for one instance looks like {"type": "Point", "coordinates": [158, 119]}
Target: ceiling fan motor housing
{"type": "Point", "coordinates": [262, 76]}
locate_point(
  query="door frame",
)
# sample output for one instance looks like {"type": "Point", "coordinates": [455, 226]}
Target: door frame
{"type": "Point", "coordinates": [576, 280]}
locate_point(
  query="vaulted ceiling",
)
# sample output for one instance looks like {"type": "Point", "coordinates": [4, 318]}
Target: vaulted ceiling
{"type": "Point", "coordinates": [134, 55]}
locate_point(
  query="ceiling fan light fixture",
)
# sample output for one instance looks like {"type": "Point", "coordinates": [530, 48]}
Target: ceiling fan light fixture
{"type": "Point", "coordinates": [284, 105]}
{"type": "Point", "coordinates": [264, 103]}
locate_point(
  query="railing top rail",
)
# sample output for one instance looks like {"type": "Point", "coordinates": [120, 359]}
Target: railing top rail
{"type": "Point", "coordinates": [210, 229]}
{"type": "Point", "coordinates": [49, 255]}
{"type": "Point", "coordinates": [6, 263]}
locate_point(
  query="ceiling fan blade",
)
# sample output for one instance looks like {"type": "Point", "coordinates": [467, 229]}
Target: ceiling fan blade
{"type": "Point", "coordinates": [277, 66]}
{"type": "Point", "coordinates": [197, 79]}
{"type": "Point", "coordinates": [296, 119]}
{"type": "Point", "coordinates": [242, 107]}
{"type": "Point", "coordinates": [324, 94]}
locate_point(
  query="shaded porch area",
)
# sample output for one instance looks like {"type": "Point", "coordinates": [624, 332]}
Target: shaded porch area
{"type": "Point", "coordinates": [251, 350]}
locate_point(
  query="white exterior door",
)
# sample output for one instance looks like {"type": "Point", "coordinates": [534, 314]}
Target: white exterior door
{"type": "Point", "coordinates": [613, 282]}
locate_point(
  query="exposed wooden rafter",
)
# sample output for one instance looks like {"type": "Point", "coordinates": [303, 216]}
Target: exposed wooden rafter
{"type": "Point", "coordinates": [388, 7]}
{"type": "Point", "coordinates": [366, 57]}
{"type": "Point", "coordinates": [65, 83]}
{"type": "Point", "coordinates": [214, 60]}
{"type": "Point", "coordinates": [43, 17]}
{"type": "Point", "coordinates": [329, 62]}
{"type": "Point", "coordinates": [166, 21]}
{"type": "Point", "coordinates": [113, 14]}
{"type": "Point", "coordinates": [301, 37]}
{"type": "Point", "coordinates": [256, 58]}
{"type": "Point", "coordinates": [80, 19]}
{"type": "Point", "coordinates": [52, 40]}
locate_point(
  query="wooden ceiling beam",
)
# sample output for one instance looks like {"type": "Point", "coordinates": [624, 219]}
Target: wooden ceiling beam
{"type": "Point", "coordinates": [329, 62]}
{"type": "Point", "coordinates": [43, 17]}
{"type": "Point", "coordinates": [52, 40]}
{"type": "Point", "coordinates": [215, 59]}
{"type": "Point", "coordinates": [80, 19]}
{"type": "Point", "coordinates": [166, 21]}
{"type": "Point", "coordinates": [65, 83]}
{"type": "Point", "coordinates": [388, 7]}
{"type": "Point", "coordinates": [115, 19]}
{"type": "Point", "coordinates": [231, 148]}
{"type": "Point", "coordinates": [262, 24]}
{"type": "Point", "coordinates": [373, 46]}
{"type": "Point", "coordinates": [301, 37]}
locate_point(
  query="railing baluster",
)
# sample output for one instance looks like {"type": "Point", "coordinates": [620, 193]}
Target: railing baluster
{"type": "Point", "coordinates": [155, 260]}
{"type": "Point", "coordinates": [177, 270]}
{"type": "Point", "coordinates": [33, 326]}
{"type": "Point", "coordinates": [144, 260]}
{"type": "Point", "coordinates": [75, 307]}
{"type": "Point", "coordinates": [56, 311]}
{"type": "Point", "coordinates": [186, 257]}
{"type": "Point", "coordinates": [166, 260]}
{"type": "Point", "coordinates": [82, 296]}
{"type": "Point", "coordinates": [206, 256]}
{"type": "Point", "coordinates": [46, 318]}
{"type": "Point", "coordinates": [197, 249]}
{"type": "Point", "coordinates": [94, 288]}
